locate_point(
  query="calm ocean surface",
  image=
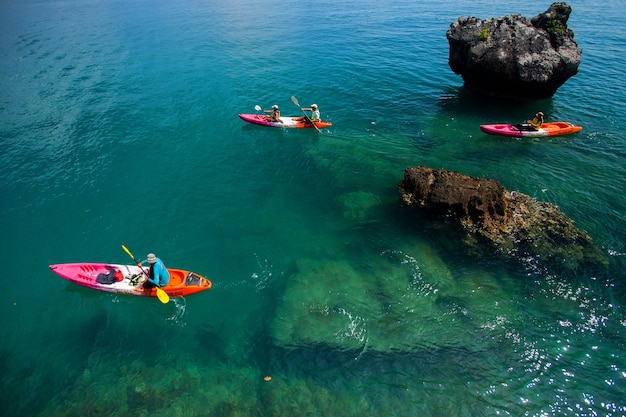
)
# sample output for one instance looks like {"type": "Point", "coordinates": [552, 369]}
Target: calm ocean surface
{"type": "Point", "coordinates": [118, 125]}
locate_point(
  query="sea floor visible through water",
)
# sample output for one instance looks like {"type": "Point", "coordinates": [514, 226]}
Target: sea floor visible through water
{"type": "Point", "coordinates": [118, 125]}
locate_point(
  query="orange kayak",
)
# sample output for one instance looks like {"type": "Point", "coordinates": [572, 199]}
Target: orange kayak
{"type": "Point", "coordinates": [547, 129]}
{"type": "Point", "coordinates": [127, 279]}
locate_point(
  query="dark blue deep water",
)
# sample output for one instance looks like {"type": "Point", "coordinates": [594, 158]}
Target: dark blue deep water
{"type": "Point", "coordinates": [118, 125]}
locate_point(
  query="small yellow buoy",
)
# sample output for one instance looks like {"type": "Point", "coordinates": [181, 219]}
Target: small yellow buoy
{"type": "Point", "coordinates": [268, 378]}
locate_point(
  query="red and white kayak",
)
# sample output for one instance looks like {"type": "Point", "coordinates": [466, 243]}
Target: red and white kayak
{"type": "Point", "coordinates": [127, 279]}
{"type": "Point", "coordinates": [547, 129]}
{"type": "Point", "coordinates": [295, 122]}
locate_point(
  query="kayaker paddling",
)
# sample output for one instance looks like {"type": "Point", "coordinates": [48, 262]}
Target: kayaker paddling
{"type": "Point", "coordinates": [287, 122]}
{"type": "Point", "coordinates": [297, 122]}
{"type": "Point", "coordinates": [158, 276]}
{"type": "Point", "coordinates": [274, 113]}
{"type": "Point", "coordinates": [315, 114]}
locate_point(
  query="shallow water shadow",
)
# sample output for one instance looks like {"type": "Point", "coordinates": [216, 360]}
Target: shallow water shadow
{"type": "Point", "coordinates": [465, 103]}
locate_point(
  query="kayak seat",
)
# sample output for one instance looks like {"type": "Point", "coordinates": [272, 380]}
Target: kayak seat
{"type": "Point", "coordinates": [525, 127]}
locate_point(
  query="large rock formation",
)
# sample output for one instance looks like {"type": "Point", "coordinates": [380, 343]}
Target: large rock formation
{"type": "Point", "coordinates": [514, 222]}
{"type": "Point", "coordinates": [513, 57]}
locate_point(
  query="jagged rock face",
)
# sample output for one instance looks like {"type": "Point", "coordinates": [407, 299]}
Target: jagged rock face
{"type": "Point", "coordinates": [513, 57]}
{"type": "Point", "coordinates": [444, 192]}
{"type": "Point", "coordinates": [512, 221]}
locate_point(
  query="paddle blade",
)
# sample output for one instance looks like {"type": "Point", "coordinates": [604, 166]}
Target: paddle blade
{"type": "Point", "coordinates": [257, 108]}
{"type": "Point", "coordinates": [295, 101]}
{"type": "Point", "coordinates": [128, 252]}
{"type": "Point", "coordinates": [162, 296]}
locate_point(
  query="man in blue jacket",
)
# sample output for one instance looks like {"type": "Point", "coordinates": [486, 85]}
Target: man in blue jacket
{"type": "Point", "coordinates": [159, 276]}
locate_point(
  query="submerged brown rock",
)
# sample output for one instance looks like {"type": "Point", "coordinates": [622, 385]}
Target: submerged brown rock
{"type": "Point", "coordinates": [512, 221]}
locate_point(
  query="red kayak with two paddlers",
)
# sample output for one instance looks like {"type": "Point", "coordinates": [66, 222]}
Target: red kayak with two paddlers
{"type": "Point", "coordinates": [296, 122]}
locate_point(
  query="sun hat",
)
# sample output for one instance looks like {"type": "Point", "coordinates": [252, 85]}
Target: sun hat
{"type": "Point", "coordinates": [151, 258]}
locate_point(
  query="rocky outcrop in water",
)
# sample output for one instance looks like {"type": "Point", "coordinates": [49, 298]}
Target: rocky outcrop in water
{"type": "Point", "coordinates": [514, 222]}
{"type": "Point", "coordinates": [513, 57]}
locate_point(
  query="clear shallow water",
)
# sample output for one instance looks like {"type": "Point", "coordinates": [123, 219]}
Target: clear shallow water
{"type": "Point", "coordinates": [119, 127]}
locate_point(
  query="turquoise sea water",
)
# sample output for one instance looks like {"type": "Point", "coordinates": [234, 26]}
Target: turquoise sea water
{"type": "Point", "coordinates": [118, 125]}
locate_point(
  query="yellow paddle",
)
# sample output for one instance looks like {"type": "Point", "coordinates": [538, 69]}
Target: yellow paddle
{"type": "Point", "coordinates": [161, 295]}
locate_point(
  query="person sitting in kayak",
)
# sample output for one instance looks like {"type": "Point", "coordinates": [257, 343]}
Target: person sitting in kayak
{"type": "Point", "coordinates": [534, 124]}
{"type": "Point", "coordinates": [537, 121]}
{"type": "Point", "coordinates": [315, 114]}
{"type": "Point", "coordinates": [275, 113]}
{"type": "Point", "coordinates": [158, 275]}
